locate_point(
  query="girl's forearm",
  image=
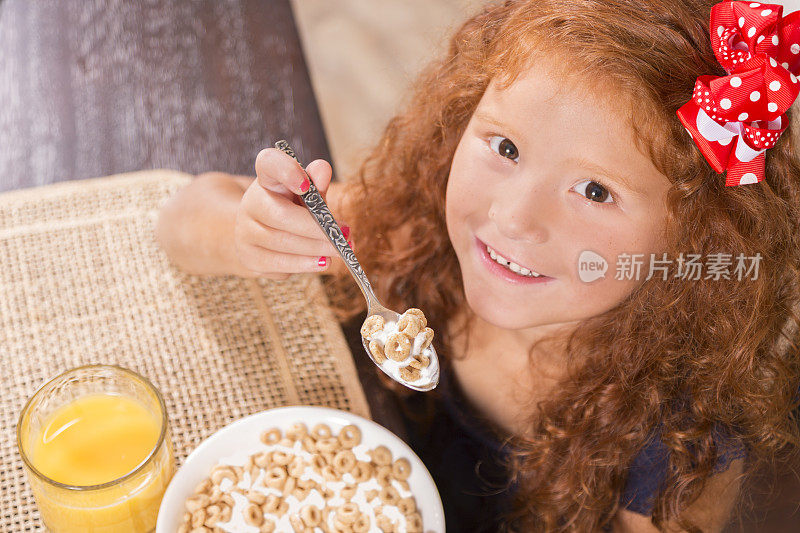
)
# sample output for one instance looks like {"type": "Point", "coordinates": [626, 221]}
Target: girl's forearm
{"type": "Point", "coordinates": [196, 226]}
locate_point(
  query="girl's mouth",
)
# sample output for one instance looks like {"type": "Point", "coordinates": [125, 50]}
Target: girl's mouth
{"type": "Point", "coordinates": [506, 269]}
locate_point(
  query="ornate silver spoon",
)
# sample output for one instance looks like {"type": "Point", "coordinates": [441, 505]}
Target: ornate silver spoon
{"type": "Point", "coordinates": [319, 209]}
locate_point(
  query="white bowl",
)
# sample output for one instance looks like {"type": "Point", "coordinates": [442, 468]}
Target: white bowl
{"type": "Point", "coordinates": [243, 435]}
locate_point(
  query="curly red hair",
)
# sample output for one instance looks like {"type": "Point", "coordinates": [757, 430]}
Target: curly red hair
{"type": "Point", "coordinates": [730, 346]}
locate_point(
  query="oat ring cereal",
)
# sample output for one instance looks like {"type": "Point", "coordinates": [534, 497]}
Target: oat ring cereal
{"type": "Point", "coordinates": [409, 373]}
{"type": "Point", "coordinates": [330, 473]}
{"type": "Point", "coordinates": [262, 460]}
{"type": "Point", "coordinates": [361, 525]}
{"type": "Point", "coordinates": [385, 523]}
{"type": "Point", "coordinates": [406, 505]}
{"type": "Point", "coordinates": [290, 485]}
{"type": "Point", "coordinates": [348, 513]}
{"type": "Point", "coordinates": [204, 486]}
{"type": "Point", "coordinates": [276, 487]}
{"type": "Point", "coordinates": [401, 469]}
{"type": "Point", "coordinates": [281, 458]}
{"type": "Point", "coordinates": [297, 431]}
{"type": "Point", "coordinates": [329, 455]}
{"type": "Point", "coordinates": [409, 325]}
{"type": "Point", "coordinates": [341, 527]}
{"type": "Point", "coordinates": [344, 461]}
{"type": "Point", "coordinates": [319, 462]}
{"type": "Point", "coordinates": [222, 472]}
{"type": "Point", "coordinates": [350, 436]}
{"type": "Point", "coordinates": [327, 445]}
{"type": "Point", "coordinates": [389, 495]}
{"type": "Point", "coordinates": [413, 522]}
{"type": "Point", "coordinates": [297, 467]}
{"type": "Point", "coordinates": [381, 456]}
{"type": "Point", "coordinates": [397, 347]}
{"type": "Point", "coordinates": [276, 477]}
{"type": "Point", "coordinates": [428, 332]}
{"type": "Point", "coordinates": [372, 325]}
{"type": "Point", "coordinates": [348, 491]}
{"type": "Point", "coordinates": [253, 515]}
{"type": "Point", "coordinates": [198, 501]}
{"type": "Point", "coordinates": [413, 311]}
{"type": "Point", "coordinates": [258, 498]}
{"type": "Point", "coordinates": [376, 350]}
{"type": "Point", "coordinates": [321, 431]}
{"type": "Point", "coordinates": [309, 444]}
{"type": "Point", "coordinates": [361, 472]}
{"type": "Point", "coordinates": [311, 515]}
{"type": "Point", "coordinates": [383, 475]}
{"type": "Point", "coordinates": [419, 362]}
{"type": "Point", "coordinates": [273, 436]}
{"type": "Point", "coordinates": [273, 504]}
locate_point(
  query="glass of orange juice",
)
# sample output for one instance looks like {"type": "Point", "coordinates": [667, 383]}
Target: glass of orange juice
{"type": "Point", "coordinates": [97, 450]}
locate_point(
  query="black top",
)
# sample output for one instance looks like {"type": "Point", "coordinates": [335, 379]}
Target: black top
{"type": "Point", "coordinates": [465, 456]}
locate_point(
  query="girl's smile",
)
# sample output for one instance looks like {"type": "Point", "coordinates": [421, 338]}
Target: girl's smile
{"type": "Point", "coordinates": [544, 171]}
{"type": "Point", "coordinates": [501, 265]}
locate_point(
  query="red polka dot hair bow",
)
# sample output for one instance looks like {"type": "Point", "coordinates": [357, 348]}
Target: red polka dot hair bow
{"type": "Point", "coordinates": [734, 119]}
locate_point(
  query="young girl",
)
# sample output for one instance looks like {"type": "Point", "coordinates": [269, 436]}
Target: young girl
{"type": "Point", "coordinates": [547, 141]}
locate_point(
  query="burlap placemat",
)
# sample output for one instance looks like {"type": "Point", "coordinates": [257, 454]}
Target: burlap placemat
{"type": "Point", "coordinates": [82, 280]}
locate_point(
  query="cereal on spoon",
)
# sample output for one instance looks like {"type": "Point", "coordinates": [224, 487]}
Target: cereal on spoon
{"type": "Point", "coordinates": [402, 348]}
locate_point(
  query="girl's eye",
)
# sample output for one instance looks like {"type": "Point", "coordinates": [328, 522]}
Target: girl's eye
{"type": "Point", "coordinates": [504, 147]}
{"type": "Point", "coordinates": [594, 191]}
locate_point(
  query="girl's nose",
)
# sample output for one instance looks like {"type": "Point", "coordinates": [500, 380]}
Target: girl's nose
{"type": "Point", "coordinates": [522, 215]}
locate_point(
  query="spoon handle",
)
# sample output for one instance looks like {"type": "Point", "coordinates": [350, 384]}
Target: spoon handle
{"type": "Point", "coordinates": [317, 206]}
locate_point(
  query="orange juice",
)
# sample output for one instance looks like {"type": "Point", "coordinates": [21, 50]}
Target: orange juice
{"type": "Point", "coordinates": [97, 451]}
{"type": "Point", "coordinates": [95, 439]}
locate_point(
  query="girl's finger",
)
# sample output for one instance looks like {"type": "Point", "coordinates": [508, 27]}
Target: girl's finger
{"type": "Point", "coordinates": [276, 211]}
{"type": "Point", "coordinates": [278, 172]}
{"type": "Point", "coordinates": [286, 242]}
{"type": "Point", "coordinates": [321, 173]}
{"type": "Point", "coordinates": [270, 262]}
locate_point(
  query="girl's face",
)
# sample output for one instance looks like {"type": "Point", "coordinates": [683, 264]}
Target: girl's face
{"type": "Point", "coordinates": [543, 172]}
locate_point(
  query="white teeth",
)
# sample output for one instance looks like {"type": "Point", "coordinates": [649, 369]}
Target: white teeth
{"type": "Point", "coordinates": [510, 264]}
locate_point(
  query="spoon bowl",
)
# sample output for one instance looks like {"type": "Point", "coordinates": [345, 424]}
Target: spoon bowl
{"type": "Point", "coordinates": [319, 209]}
{"type": "Point", "coordinates": [390, 368]}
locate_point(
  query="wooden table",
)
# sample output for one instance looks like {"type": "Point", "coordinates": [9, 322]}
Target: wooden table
{"type": "Point", "coordinates": [98, 87]}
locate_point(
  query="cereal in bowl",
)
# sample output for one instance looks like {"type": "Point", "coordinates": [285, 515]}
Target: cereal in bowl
{"type": "Point", "coordinates": [306, 481]}
{"type": "Point", "coordinates": [402, 348]}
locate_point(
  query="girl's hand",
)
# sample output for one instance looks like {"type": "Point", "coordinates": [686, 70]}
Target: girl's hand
{"type": "Point", "coordinates": [274, 234]}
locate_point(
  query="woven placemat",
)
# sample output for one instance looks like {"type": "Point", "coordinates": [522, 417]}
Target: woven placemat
{"type": "Point", "coordinates": [82, 280]}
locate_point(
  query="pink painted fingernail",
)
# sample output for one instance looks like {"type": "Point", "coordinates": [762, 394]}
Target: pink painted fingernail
{"type": "Point", "coordinates": [323, 262]}
{"type": "Point", "coordinates": [305, 185]}
{"type": "Point", "coordinates": [346, 232]}
{"type": "Point", "coordinates": [350, 243]}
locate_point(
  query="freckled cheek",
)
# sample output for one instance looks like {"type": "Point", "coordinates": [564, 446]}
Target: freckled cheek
{"type": "Point", "coordinates": [601, 292]}
{"type": "Point", "coordinates": [606, 292]}
{"type": "Point", "coordinates": [455, 209]}
{"type": "Point", "coordinates": [467, 190]}
{"type": "Point", "coordinates": [605, 245]}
